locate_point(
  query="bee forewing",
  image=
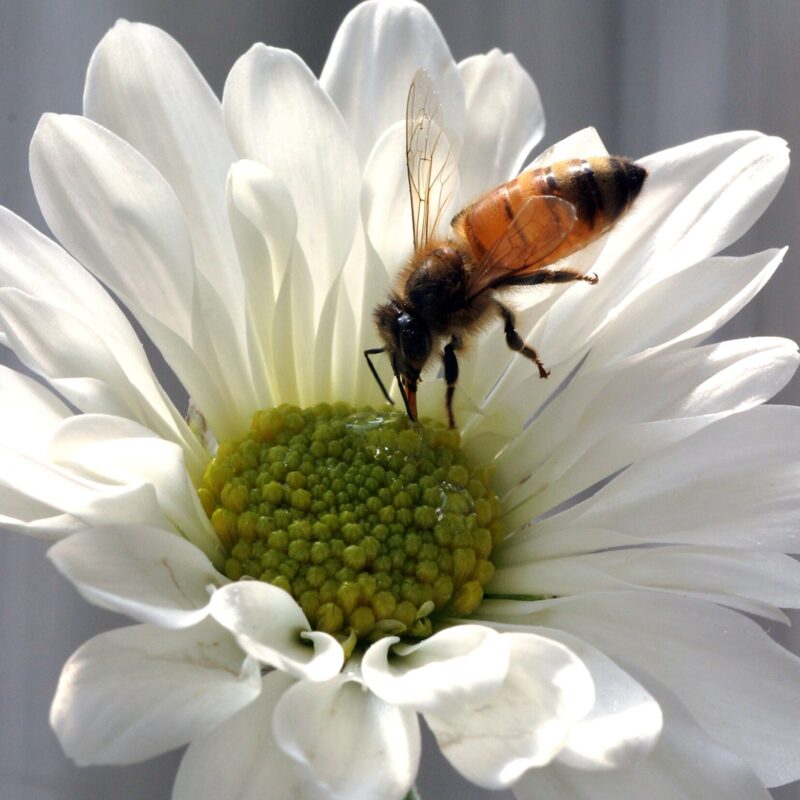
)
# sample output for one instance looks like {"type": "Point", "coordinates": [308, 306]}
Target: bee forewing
{"type": "Point", "coordinates": [431, 159]}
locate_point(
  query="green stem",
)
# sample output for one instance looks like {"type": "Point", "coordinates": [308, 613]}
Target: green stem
{"type": "Point", "coordinates": [413, 794]}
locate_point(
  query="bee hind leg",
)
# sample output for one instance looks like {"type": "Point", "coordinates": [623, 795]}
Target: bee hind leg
{"type": "Point", "coordinates": [450, 376]}
{"type": "Point", "coordinates": [515, 343]}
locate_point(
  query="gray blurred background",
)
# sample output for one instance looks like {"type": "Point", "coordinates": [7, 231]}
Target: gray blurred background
{"type": "Point", "coordinates": [646, 74]}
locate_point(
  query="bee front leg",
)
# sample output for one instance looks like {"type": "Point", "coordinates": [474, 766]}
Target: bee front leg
{"type": "Point", "coordinates": [451, 376]}
{"type": "Point", "coordinates": [372, 352]}
{"type": "Point", "coordinates": [515, 343]}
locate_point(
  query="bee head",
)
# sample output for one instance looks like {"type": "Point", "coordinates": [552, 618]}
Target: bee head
{"type": "Point", "coordinates": [414, 338]}
{"type": "Point", "coordinates": [409, 343]}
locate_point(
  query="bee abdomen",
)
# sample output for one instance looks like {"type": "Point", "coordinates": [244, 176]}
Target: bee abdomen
{"type": "Point", "coordinates": [600, 188]}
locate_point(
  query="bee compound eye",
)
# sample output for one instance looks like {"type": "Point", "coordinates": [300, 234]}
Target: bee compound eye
{"type": "Point", "coordinates": [415, 341]}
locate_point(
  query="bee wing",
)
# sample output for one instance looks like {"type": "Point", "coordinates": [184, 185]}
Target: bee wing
{"type": "Point", "coordinates": [431, 158]}
{"type": "Point", "coordinates": [542, 223]}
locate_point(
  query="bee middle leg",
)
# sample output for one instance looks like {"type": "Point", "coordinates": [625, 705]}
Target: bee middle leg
{"type": "Point", "coordinates": [514, 340]}
{"type": "Point", "coordinates": [450, 376]}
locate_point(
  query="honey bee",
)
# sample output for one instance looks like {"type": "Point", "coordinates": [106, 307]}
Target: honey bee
{"type": "Point", "coordinates": [512, 236]}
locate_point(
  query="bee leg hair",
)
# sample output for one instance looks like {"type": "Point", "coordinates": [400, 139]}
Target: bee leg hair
{"type": "Point", "coordinates": [515, 343]}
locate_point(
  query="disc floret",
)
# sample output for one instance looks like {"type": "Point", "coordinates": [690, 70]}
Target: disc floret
{"type": "Point", "coordinates": [374, 524]}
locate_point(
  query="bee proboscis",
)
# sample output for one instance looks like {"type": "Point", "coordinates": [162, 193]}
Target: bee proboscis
{"type": "Point", "coordinates": [512, 236]}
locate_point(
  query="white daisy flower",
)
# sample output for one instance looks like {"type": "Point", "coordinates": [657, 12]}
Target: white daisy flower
{"type": "Point", "coordinates": [559, 594]}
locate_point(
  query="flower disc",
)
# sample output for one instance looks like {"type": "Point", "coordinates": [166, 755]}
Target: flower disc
{"type": "Point", "coordinates": [371, 522]}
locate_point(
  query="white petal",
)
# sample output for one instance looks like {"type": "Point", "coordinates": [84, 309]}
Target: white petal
{"type": "Point", "coordinates": [584, 143]}
{"type": "Point", "coordinates": [117, 451]}
{"type": "Point", "coordinates": [674, 313]}
{"type": "Point", "coordinates": [741, 686]}
{"type": "Point", "coordinates": [146, 573]}
{"type": "Point", "coordinates": [135, 218]}
{"type": "Point", "coordinates": [526, 723]}
{"type": "Point", "coordinates": [143, 86]}
{"type": "Point", "coordinates": [721, 208]}
{"type": "Point", "coordinates": [35, 520]}
{"type": "Point", "coordinates": [119, 216]}
{"type": "Point", "coordinates": [36, 413]}
{"type": "Point", "coordinates": [686, 764]}
{"type": "Point", "coordinates": [356, 746]}
{"type": "Point", "coordinates": [504, 120]}
{"type": "Point", "coordinates": [678, 178]}
{"type": "Point", "coordinates": [277, 114]}
{"type": "Point", "coordinates": [34, 517]}
{"type": "Point", "coordinates": [278, 281]}
{"type": "Point", "coordinates": [702, 491]}
{"type": "Point", "coordinates": [374, 56]}
{"type": "Point", "coordinates": [264, 223]}
{"type": "Point", "coordinates": [134, 693]}
{"type": "Point", "coordinates": [327, 356]}
{"type": "Point", "coordinates": [258, 196]}
{"type": "Point", "coordinates": [240, 759]}
{"type": "Point", "coordinates": [37, 266]}
{"type": "Point", "coordinates": [384, 201]}
{"type": "Point", "coordinates": [48, 501]}
{"type": "Point", "coordinates": [292, 324]}
{"type": "Point", "coordinates": [685, 308]}
{"type": "Point", "coordinates": [458, 665]}
{"type": "Point", "coordinates": [492, 434]}
{"type": "Point", "coordinates": [609, 418]}
{"type": "Point", "coordinates": [270, 626]}
{"type": "Point", "coordinates": [364, 278]}
{"type": "Point", "coordinates": [62, 349]}
{"type": "Point", "coordinates": [757, 583]}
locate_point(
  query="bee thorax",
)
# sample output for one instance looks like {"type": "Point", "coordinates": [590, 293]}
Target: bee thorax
{"type": "Point", "coordinates": [436, 286]}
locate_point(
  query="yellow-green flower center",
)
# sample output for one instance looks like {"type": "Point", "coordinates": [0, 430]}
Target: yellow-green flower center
{"type": "Point", "coordinates": [373, 524]}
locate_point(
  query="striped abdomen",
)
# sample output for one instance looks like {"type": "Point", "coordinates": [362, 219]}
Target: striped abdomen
{"type": "Point", "coordinates": [600, 189]}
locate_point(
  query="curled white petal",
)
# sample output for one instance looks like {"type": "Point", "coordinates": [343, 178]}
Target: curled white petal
{"type": "Point", "coordinates": [355, 746]}
{"type": "Point", "coordinates": [270, 626]}
{"type": "Point", "coordinates": [625, 721]}
{"type": "Point", "coordinates": [456, 666]}
{"type": "Point", "coordinates": [526, 723]}
{"type": "Point", "coordinates": [738, 684]}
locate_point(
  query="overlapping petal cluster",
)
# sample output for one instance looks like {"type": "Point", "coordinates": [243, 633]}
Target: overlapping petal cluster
{"type": "Point", "coordinates": [250, 240]}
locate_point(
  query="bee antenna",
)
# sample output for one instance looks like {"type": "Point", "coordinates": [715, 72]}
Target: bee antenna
{"type": "Point", "coordinates": [373, 352]}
